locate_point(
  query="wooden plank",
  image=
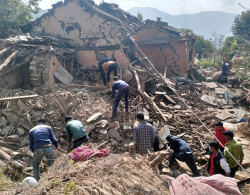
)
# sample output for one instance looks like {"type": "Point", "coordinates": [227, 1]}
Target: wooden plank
{"type": "Point", "coordinates": [94, 117]}
{"type": "Point", "coordinates": [157, 108]}
{"type": "Point", "coordinates": [88, 86]}
{"type": "Point", "coordinates": [8, 60]}
{"type": "Point", "coordinates": [137, 80]}
{"type": "Point", "coordinates": [169, 99]}
{"type": "Point", "coordinates": [19, 97]}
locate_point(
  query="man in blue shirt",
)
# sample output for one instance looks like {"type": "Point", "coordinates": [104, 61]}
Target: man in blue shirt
{"type": "Point", "coordinates": [41, 138]}
{"type": "Point", "coordinates": [182, 152]}
{"type": "Point", "coordinates": [123, 89]}
{"type": "Point", "coordinates": [106, 65]}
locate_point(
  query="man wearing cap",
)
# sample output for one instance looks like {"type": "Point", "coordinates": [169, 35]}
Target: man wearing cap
{"type": "Point", "coordinates": [123, 89]}
{"type": "Point", "coordinates": [106, 66]}
{"type": "Point", "coordinates": [235, 149]}
{"type": "Point", "coordinates": [75, 129]}
{"type": "Point", "coordinates": [41, 138]}
{"type": "Point", "coordinates": [182, 152]}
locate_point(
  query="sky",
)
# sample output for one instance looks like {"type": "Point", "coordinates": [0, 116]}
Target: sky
{"type": "Point", "coordinates": [174, 7]}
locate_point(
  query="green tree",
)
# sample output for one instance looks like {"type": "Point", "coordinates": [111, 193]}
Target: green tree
{"type": "Point", "coordinates": [241, 26]}
{"type": "Point", "coordinates": [203, 47]}
{"type": "Point", "coordinates": [231, 46]}
{"type": "Point", "coordinates": [15, 13]}
{"type": "Point", "coordinates": [139, 16]}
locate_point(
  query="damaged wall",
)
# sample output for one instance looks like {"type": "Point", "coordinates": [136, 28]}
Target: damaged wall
{"type": "Point", "coordinates": [93, 35]}
{"type": "Point", "coordinates": [168, 50]}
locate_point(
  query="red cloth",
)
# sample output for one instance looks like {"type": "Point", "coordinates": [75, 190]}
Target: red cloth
{"type": "Point", "coordinates": [219, 135]}
{"type": "Point", "coordinates": [211, 170]}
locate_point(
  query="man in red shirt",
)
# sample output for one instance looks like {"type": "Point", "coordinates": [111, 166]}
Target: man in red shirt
{"type": "Point", "coordinates": [219, 129]}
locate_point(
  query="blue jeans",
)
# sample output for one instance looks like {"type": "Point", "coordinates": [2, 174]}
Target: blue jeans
{"type": "Point", "coordinates": [39, 153]}
{"type": "Point", "coordinates": [187, 158]}
{"type": "Point", "coordinates": [120, 93]}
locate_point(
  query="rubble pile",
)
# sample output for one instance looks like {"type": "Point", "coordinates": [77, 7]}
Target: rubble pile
{"type": "Point", "coordinates": [114, 174]}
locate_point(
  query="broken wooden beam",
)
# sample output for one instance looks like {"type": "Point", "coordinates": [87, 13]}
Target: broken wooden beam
{"type": "Point", "coordinates": [88, 86]}
{"type": "Point", "coordinates": [169, 98]}
{"type": "Point", "coordinates": [137, 80]}
{"type": "Point", "coordinates": [157, 108]}
{"type": "Point", "coordinates": [19, 97]}
{"type": "Point", "coordinates": [14, 163]}
{"type": "Point", "coordinates": [159, 159]}
{"type": "Point", "coordinates": [8, 60]}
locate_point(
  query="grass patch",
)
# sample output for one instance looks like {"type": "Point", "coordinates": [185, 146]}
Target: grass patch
{"type": "Point", "coordinates": [5, 181]}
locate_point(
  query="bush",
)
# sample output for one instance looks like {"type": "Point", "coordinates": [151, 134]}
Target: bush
{"type": "Point", "coordinates": [4, 181]}
{"type": "Point", "coordinates": [206, 63]}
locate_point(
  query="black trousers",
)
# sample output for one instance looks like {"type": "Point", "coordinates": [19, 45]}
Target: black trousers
{"type": "Point", "coordinates": [80, 141]}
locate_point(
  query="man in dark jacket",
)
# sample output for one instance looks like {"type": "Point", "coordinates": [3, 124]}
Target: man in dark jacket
{"type": "Point", "coordinates": [41, 138]}
{"type": "Point", "coordinates": [106, 65]}
{"type": "Point", "coordinates": [217, 164]}
{"type": "Point", "coordinates": [182, 152]}
{"type": "Point", "coordinates": [224, 71]}
{"type": "Point", "coordinates": [75, 129]}
{"type": "Point", "coordinates": [123, 89]}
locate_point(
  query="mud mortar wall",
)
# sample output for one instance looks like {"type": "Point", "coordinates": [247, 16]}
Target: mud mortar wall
{"type": "Point", "coordinates": [93, 36]}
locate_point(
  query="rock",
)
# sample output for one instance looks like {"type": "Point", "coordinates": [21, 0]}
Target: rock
{"type": "Point", "coordinates": [113, 133]}
{"type": "Point", "coordinates": [114, 142]}
{"type": "Point", "coordinates": [20, 131]}
{"type": "Point", "coordinates": [4, 130]}
{"type": "Point", "coordinates": [241, 175]}
{"type": "Point", "coordinates": [3, 122]}
{"type": "Point", "coordinates": [103, 131]}
{"type": "Point", "coordinates": [224, 115]}
{"type": "Point", "coordinates": [14, 138]}
{"type": "Point", "coordinates": [89, 128]}
{"type": "Point", "coordinates": [127, 76]}
{"type": "Point", "coordinates": [11, 117]}
{"type": "Point", "coordinates": [22, 106]}
{"type": "Point", "coordinates": [36, 115]}
{"type": "Point", "coordinates": [24, 141]}
{"type": "Point", "coordinates": [209, 99]}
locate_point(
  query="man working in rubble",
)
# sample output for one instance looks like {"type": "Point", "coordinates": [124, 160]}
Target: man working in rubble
{"type": "Point", "coordinates": [224, 71]}
{"type": "Point", "coordinates": [235, 149]}
{"type": "Point", "coordinates": [216, 164]}
{"type": "Point", "coordinates": [143, 135]}
{"type": "Point", "coordinates": [182, 152]}
{"type": "Point", "coordinates": [106, 66]}
{"type": "Point", "coordinates": [75, 129]}
{"type": "Point", "coordinates": [123, 89]}
{"type": "Point", "coordinates": [41, 138]}
{"type": "Point", "coordinates": [156, 145]}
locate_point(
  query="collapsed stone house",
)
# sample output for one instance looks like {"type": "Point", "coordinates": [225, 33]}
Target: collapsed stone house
{"type": "Point", "coordinates": [75, 34]}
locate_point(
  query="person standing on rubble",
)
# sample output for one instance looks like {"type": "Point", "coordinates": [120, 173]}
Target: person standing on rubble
{"type": "Point", "coordinates": [106, 65]}
{"type": "Point", "coordinates": [235, 149]}
{"type": "Point", "coordinates": [224, 71]}
{"type": "Point", "coordinates": [75, 129]}
{"type": "Point", "coordinates": [123, 89]}
{"type": "Point", "coordinates": [216, 164]}
{"type": "Point", "coordinates": [143, 135]}
{"type": "Point", "coordinates": [182, 152]}
{"type": "Point", "coordinates": [41, 138]}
